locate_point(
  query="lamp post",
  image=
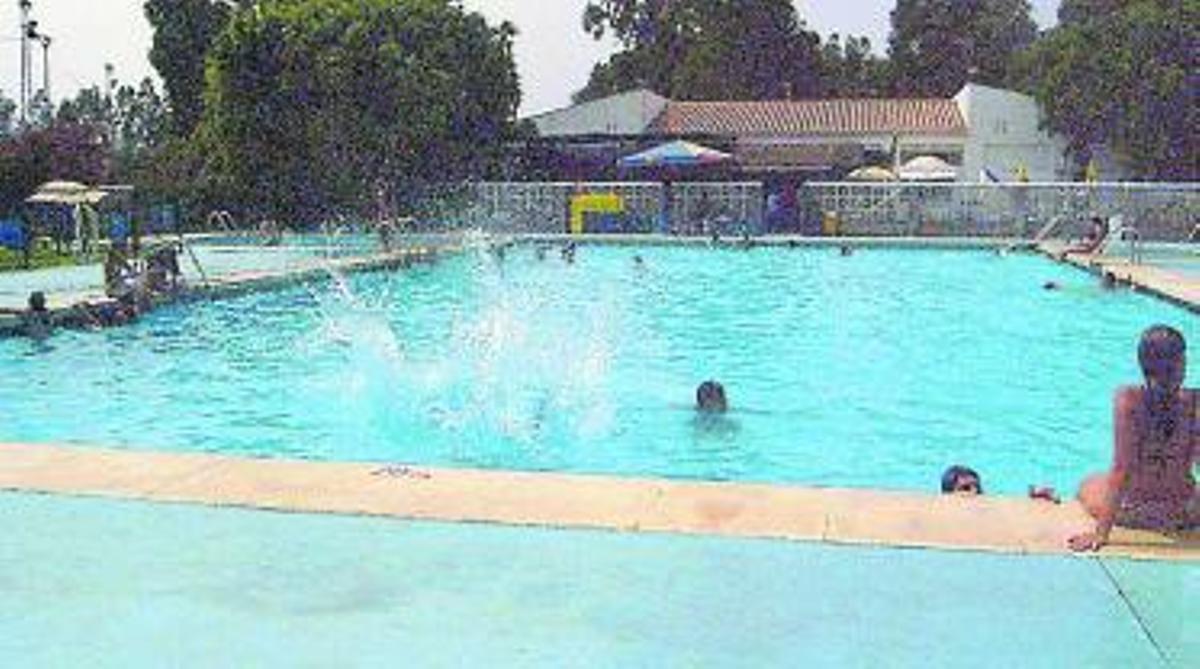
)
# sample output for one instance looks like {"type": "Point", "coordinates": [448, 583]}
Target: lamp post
{"type": "Point", "coordinates": [25, 6]}
{"type": "Point", "coordinates": [45, 40]}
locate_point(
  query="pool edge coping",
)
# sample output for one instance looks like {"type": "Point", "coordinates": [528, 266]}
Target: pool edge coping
{"type": "Point", "coordinates": [858, 517]}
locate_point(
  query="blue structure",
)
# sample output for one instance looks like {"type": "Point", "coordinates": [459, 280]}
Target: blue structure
{"type": "Point", "coordinates": [12, 234]}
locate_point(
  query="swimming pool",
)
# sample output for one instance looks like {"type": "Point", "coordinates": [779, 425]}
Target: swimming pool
{"type": "Point", "coordinates": [874, 370]}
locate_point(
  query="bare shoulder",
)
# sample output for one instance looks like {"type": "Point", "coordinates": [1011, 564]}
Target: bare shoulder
{"type": "Point", "coordinates": [1126, 397]}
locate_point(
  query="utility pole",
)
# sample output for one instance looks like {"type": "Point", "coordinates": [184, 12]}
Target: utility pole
{"type": "Point", "coordinates": [45, 40]}
{"type": "Point", "coordinates": [25, 6]}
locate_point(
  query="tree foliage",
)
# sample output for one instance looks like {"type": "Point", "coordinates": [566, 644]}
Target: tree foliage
{"type": "Point", "coordinates": [184, 30]}
{"type": "Point", "coordinates": [936, 46]}
{"type": "Point", "coordinates": [8, 111]}
{"type": "Point", "coordinates": [704, 49]}
{"type": "Point", "coordinates": [131, 123]}
{"type": "Point", "coordinates": [1125, 78]}
{"type": "Point", "coordinates": [850, 70]}
{"type": "Point", "coordinates": [1084, 11]}
{"type": "Point", "coordinates": [62, 151]}
{"type": "Point", "coordinates": [314, 105]}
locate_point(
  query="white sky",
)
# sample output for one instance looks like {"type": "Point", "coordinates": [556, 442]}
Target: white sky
{"type": "Point", "coordinates": [554, 55]}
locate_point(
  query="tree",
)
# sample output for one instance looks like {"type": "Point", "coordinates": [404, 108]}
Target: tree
{"type": "Point", "coordinates": [313, 105]}
{"type": "Point", "coordinates": [1125, 79]}
{"type": "Point", "coordinates": [132, 122]}
{"type": "Point", "coordinates": [704, 49]}
{"type": "Point", "coordinates": [63, 151]}
{"type": "Point", "coordinates": [8, 110]}
{"type": "Point", "coordinates": [936, 46]}
{"type": "Point", "coordinates": [1083, 11]}
{"type": "Point", "coordinates": [184, 30]}
{"type": "Point", "coordinates": [849, 70]}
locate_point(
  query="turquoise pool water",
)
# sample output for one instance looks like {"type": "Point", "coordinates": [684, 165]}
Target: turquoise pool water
{"type": "Point", "coordinates": [876, 370]}
{"type": "Point", "coordinates": [100, 583]}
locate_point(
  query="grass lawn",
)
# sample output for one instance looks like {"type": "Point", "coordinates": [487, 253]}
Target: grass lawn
{"type": "Point", "coordinates": [43, 256]}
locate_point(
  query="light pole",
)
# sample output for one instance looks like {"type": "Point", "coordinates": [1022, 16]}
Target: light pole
{"type": "Point", "coordinates": [45, 40]}
{"type": "Point", "coordinates": [25, 6]}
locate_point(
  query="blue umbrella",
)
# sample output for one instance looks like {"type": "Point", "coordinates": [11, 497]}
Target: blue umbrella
{"type": "Point", "coordinates": [674, 154]}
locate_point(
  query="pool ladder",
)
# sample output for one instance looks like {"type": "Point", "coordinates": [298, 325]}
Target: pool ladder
{"type": "Point", "coordinates": [1122, 232]}
{"type": "Point", "coordinates": [220, 219]}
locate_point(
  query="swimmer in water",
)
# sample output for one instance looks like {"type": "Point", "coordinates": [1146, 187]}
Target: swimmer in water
{"type": "Point", "coordinates": [710, 398]}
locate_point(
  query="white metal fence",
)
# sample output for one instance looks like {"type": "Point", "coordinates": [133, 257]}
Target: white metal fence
{"type": "Point", "coordinates": [1159, 211]}
{"type": "Point", "coordinates": [679, 208]}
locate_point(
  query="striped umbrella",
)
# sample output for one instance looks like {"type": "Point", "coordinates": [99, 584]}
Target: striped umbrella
{"type": "Point", "coordinates": [678, 153]}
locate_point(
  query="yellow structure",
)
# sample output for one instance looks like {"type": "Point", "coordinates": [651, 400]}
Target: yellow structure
{"type": "Point", "coordinates": [593, 203]}
{"type": "Point", "coordinates": [831, 224]}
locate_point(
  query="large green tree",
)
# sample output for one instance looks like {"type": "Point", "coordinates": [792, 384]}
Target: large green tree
{"type": "Point", "coordinates": [132, 121]}
{"type": "Point", "coordinates": [936, 46]}
{"type": "Point", "coordinates": [314, 106]}
{"type": "Point", "coordinates": [704, 49]}
{"type": "Point", "coordinates": [184, 30]}
{"type": "Point", "coordinates": [1125, 78]}
{"type": "Point", "coordinates": [60, 151]}
{"type": "Point", "coordinates": [1085, 11]}
{"type": "Point", "coordinates": [850, 70]}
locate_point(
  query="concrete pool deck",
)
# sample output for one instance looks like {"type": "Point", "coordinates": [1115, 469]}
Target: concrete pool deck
{"type": "Point", "coordinates": [825, 515]}
{"type": "Point", "coordinates": [64, 306]}
{"type": "Point", "coordinates": [1175, 287]}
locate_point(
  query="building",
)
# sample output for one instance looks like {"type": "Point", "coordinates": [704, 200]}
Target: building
{"type": "Point", "coordinates": [984, 133]}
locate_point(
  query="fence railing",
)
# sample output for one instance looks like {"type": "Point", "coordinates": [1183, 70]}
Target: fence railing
{"type": "Point", "coordinates": [645, 207]}
{"type": "Point", "coordinates": [1159, 211]}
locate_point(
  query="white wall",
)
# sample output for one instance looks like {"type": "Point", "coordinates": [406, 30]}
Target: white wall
{"type": "Point", "coordinates": [622, 114]}
{"type": "Point", "coordinates": [1003, 135]}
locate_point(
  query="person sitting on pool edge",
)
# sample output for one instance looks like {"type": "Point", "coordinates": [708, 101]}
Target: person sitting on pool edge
{"type": "Point", "coordinates": [1092, 241]}
{"type": "Point", "coordinates": [961, 480]}
{"type": "Point", "coordinates": [710, 397]}
{"type": "Point", "coordinates": [1156, 432]}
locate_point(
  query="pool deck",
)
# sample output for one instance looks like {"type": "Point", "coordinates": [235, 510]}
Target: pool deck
{"type": "Point", "coordinates": [826, 515]}
{"type": "Point", "coordinates": [1174, 287]}
{"type": "Point", "coordinates": [64, 305]}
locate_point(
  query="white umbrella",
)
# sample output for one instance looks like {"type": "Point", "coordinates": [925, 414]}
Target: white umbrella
{"type": "Point", "coordinates": [66, 192]}
{"type": "Point", "coordinates": [871, 173]}
{"type": "Point", "coordinates": [928, 168]}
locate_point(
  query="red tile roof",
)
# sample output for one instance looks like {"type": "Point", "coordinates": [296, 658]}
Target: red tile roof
{"type": "Point", "coordinates": [813, 117]}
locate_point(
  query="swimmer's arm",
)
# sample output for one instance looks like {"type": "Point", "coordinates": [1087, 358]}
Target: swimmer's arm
{"type": "Point", "coordinates": [1124, 438]}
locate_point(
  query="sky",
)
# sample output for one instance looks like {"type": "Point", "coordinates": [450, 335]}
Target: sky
{"type": "Point", "coordinates": [554, 55]}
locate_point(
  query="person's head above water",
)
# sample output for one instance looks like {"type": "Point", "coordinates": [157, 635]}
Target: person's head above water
{"type": "Point", "coordinates": [710, 397]}
{"type": "Point", "coordinates": [37, 301]}
{"type": "Point", "coordinates": [960, 479]}
{"type": "Point", "coordinates": [1162, 354]}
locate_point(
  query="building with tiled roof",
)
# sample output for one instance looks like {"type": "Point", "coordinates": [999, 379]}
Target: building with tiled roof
{"type": "Point", "coordinates": [980, 131]}
{"type": "Point", "coordinates": [807, 118]}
